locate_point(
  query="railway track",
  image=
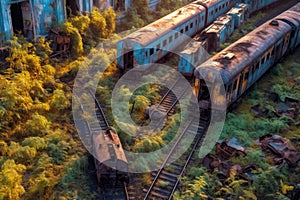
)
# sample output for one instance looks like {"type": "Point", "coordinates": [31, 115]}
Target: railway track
{"type": "Point", "coordinates": [166, 106]}
{"type": "Point", "coordinates": [166, 179]}
{"type": "Point", "coordinates": [90, 127]}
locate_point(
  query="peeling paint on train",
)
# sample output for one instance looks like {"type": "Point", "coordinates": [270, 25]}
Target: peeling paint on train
{"type": "Point", "coordinates": [34, 18]}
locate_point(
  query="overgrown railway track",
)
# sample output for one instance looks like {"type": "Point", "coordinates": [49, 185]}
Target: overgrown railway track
{"type": "Point", "coordinates": [166, 179]}
{"type": "Point", "coordinates": [91, 127]}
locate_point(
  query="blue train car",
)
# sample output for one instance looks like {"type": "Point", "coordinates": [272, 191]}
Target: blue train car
{"type": "Point", "coordinates": [33, 18]}
{"type": "Point", "coordinates": [245, 61]}
{"type": "Point", "coordinates": [256, 5]}
{"type": "Point", "coordinates": [154, 41]}
{"type": "Point", "coordinates": [239, 13]}
{"type": "Point", "coordinates": [208, 41]}
{"type": "Point", "coordinates": [192, 55]}
{"type": "Point", "coordinates": [218, 32]}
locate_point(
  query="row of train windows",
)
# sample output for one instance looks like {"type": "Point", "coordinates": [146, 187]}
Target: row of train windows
{"type": "Point", "coordinates": [220, 7]}
{"type": "Point", "coordinates": [170, 39]}
{"type": "Point", "coordinates": [254, 68]}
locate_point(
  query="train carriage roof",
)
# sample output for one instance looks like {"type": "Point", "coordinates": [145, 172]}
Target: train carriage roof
{"type": "Point", "coordinates": [155, 30]}
{"type": "Point", "coordinates": [232, 60]}
{"type": "Point", "coordinates": [292, 15]}
{"type": "Point", "coordinates": [107, 145]}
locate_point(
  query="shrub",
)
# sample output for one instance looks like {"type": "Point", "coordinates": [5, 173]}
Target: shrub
{"type": "Point", "coordinates": [76, 39]}
{"type": "Point", "coordinates": [97, 25]}
{"type": "Point", "coordinates": [38, 125]}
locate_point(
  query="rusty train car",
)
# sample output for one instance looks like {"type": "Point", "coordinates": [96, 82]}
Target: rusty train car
{"type": "Point", "coordinates": [152, 42]}
{"type": "Point", "coordinates": [213, 36]}
{"type": "Point", "coordinates": [241, 64]}
{"type": "Point", "coordinates": [110, 161]}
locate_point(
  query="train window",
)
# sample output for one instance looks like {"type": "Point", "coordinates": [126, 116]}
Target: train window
{"type": "Point", "coordinates": [158, 47]}
{"type": "Point", "coordinates": [220, 8]}
{"type": "Point", "coordinates": [226, 3]}
{"type": "Point", "coordinates": [186, 28]}
{"type": "Point", "coordinates": [216, 10]}
{"type": "Point", "coordinates": [165, 43]}
{"type": "Point", "coordinates": [235, 84]}
{"type": "Point", "coordinates": [176, 35]}
{"type": "Point", "coordinates": [202, 18]}
{"type": "Point", "coordinates": [253, 69]}
{"type": "Point", "coordinates": [191, 25]}
{"type": "Point", "coordinates": [196, 21]}
{"type": "Point", "coordinates": [273, 51]}
{"type": "Point", "coordinates": [146, 53]}
{"type": "Point", "coordinates": [223, 6]}
{"type": "Point", "coordinates": [257, 66]}
{"type": "Point", "coordinates": [170, 39]}
{"type": "Point", "coordinates": [246, 76]}
{"type": "Point", "coordinates": [263, 60]}
{"type": "Point", "coordinates": [181, 31]}
{"type": "Point", "coordinates": [151, 51]}
{"type": "Point", "coordinates": [268, 56]}
{"type": "Point", "coordinates": [229, 88]}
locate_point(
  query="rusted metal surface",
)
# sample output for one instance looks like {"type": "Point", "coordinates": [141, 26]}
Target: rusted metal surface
{"type": "Point", "coordinates": [60, 42]}
{"type": "Point", "coordinates": [35, 17]}
{"type": "Point", "coordinates": [245, 61]}
{"type": "Point", "coordinates": [282, 148]}
{"type": "Point", "coordinates": [239, 13]}
{"type": "Point", "coordinates": [107, 147]}
{"type": "Point", "coordinates": [193, 54]}
{"type": "Point", "coordinates": [212, 162]}
{"type": "Point", "coordinates": [158, 28]}
{"type": "Point", "coordinates": [230, 148]}
{"type": "Point", "coordinates": [245, 50]}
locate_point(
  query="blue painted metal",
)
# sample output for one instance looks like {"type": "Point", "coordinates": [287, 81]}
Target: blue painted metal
{"type": "Point", "coordinates": [221, 29]}
{"type": "Point", "coordinates": [87, 5]}
{"type": "Point", "coordinates": [245, 61]}
{"type": "Point", "coordinates": [159, 32]}
{"type": "Point", "coordinates": [239, 13]}
{"type": "Point", "coordinates": [38, 15]}
{"type": "Point", "coordinates": [191, 57]}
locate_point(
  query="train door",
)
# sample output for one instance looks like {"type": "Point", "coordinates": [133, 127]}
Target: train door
{"type": "Point", "coordinates": [17, 18]}
{"type": "Point", "coordinates": [128, 59]}
{"type": "Point", "coordinates": [72, 7]}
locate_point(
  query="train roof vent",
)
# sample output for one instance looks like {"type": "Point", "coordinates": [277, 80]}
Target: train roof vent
{"type": "Point", "coordinates": [228, 56]}
{"type": "Point", "coordinates": [274, 23]}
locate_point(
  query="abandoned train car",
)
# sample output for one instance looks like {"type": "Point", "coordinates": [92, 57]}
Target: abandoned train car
{"type": "Point", "coordinates": [34, 18]}
{"type": "Point", "coordinates": [152, 42]}
{"type": "Point", "coordinates": [110, 161]}
{"type": "Point", "coordinates": [217, 33]}
{"type": "Point", "coordinates": [245, 61]}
